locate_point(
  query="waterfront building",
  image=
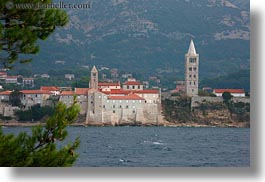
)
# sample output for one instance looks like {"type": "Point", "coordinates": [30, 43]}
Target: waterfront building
{"type": "Point", "coordinates": [114, 105]}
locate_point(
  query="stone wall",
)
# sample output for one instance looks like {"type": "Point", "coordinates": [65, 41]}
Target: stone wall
{"type": "Point", "coordinates": [195, 101]}
{"type": "Point", "coordinates": [7, 110]}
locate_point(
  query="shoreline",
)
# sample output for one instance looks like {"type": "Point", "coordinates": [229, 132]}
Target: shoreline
{"type": "Point", "coordinates": [187, 125]}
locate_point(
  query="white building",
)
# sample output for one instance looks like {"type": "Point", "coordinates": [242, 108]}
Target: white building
{"type": "Point", "coordinates": [69, 76]}
{"type": "Point", "coordinates": [3, 75]}
{"type": "Point", "coordinates": [28, 81]}
{"type": "Point", "coordinates": [107, 104]}
{"type": "Point", "coordinates": [33, 97]}
{"type": "Point", "coordinates": [45, 75]}
{"type": "Point", "coordinates": [233, 92]}
{"type": "Point", "coordinates": [4, 96]}
{"type": "Point", "coordinates": [11, 79]}
{"type": "Point", "coordinates": [109, 86]}
{"type": "Point", "coordinates": [132, 84]}
{"type": "Point", "coordinates": [67, 97]}
{"type": "Point", "coordinates": [53, 89]}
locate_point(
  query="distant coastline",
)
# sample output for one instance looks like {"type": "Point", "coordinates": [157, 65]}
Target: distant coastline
{"type": "Point", "coordinates": [164, 124]}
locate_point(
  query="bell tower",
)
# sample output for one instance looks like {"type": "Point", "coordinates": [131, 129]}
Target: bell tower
{"type": "Point", "coordinates": [191, 71]}
{"type": "Point", "coordinates": [94, 78]}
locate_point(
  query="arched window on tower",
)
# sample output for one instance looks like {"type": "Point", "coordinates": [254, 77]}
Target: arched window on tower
{"type": "Point", "coordinates": [192, 60]}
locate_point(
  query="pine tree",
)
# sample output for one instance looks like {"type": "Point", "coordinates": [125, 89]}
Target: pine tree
{"type": "Point", "coordinates": [21, 28]}
{"type": "Point", "coordinates": [40, 148]}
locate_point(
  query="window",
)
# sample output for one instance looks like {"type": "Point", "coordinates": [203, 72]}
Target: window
{"type": "Point", "coordinates": [104, 106]}
{"type": "Point", "coordinates": [133, 87]}
{"type": "Point", "coordinates": [190, 68]}
{"type": "Point", "coordinates": [120, 106]}
{"type": "Point", "coordinates": [36, 95]}
{"type": "Point", "coordinates": [192, 60]}
{"type": "Point", "coordinates": [139, 87]}
{"type": "Point", "coordinates": [194, 83]}
{"type": "Point", "coordinates": [194, 76]}
{"type": "Point", "coordinates": [133, 111]}
{"type": "Point", "coordinates": [128, 87]}
{"type": "Point", "coordinates": [113, 106]}
{"type": "Point", "coordinates": [127, 107]}
{"type": "Point", "coordinates": [194, 69]}
{"type": "Point", "coordinates": [190, 76]}
{"type": "Point", "coordinates": [190, 83]}
{"type": "Point", "coordinates": [113, 111]}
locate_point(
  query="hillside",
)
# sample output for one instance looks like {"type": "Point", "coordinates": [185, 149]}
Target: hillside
{"type": "Point", "coordinates": [151, 37]}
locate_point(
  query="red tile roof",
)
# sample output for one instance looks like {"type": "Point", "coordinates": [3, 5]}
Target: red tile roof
{"type": "Point", "coordinates": [229, 90]}
{"type": "Point", "coordinates": [117, 92]}
{"type": "Point", "coordinates": [146, 91]}
{"type": "Point", "coordinates": [50, 88]}
{"type": "Point", "coordinates": [126, 92]}
{"type": "Point", "coordinates": [65, 93]}
{"type": "Point", "coordinates": [7, 92]}
{"type": "Point", "coordinates": [81, 91]}
{"type": "Point", "coordinates": [126, 97]}
{"type": "Point", "coordinates": [132, 83]}
{"type": "Point", "coordinates": [35, 92]}
{"type": "Point", "coordinates": [108, 84]}
{"type": "Point", "coordinates": [11, 77]}
{"type": "Point", "coordinates": [3, 73]}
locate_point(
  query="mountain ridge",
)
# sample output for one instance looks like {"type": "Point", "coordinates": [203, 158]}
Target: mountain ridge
{"type": "Point", "coordinates": [152, 37]}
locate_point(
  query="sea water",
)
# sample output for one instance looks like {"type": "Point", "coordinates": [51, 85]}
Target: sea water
{"type": "Point", "coordinates": [159, 146]}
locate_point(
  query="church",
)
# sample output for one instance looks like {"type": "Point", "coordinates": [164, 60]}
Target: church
{"type": "Point", "coordinates": [116, 104]}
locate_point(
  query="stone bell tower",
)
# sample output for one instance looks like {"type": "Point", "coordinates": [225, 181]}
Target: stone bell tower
{"type": "Point", "coordinates": [94, 78]}
{"type": "Point", "coordinates": [191, 71]}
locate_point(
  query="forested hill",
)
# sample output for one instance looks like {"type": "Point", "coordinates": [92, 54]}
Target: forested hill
{"type": "Point", "coordinates": [151, 36]}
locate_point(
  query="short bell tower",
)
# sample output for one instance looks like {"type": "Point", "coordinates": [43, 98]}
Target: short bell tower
{"type": "Point", "coordinates": [94, 78]}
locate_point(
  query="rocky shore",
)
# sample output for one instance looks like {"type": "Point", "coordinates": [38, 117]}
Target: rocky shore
{"type": "Point", "coordinates": [164, 124]}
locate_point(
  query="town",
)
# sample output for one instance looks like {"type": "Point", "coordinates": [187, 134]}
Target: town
{"type": "Point", "coordinates": [112, 102]}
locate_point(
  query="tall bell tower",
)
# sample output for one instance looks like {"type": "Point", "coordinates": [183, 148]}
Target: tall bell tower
{"type": "Point", "coordinates": [191, 71]}
{"type": "Point", "coordinates": [94, 78]}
